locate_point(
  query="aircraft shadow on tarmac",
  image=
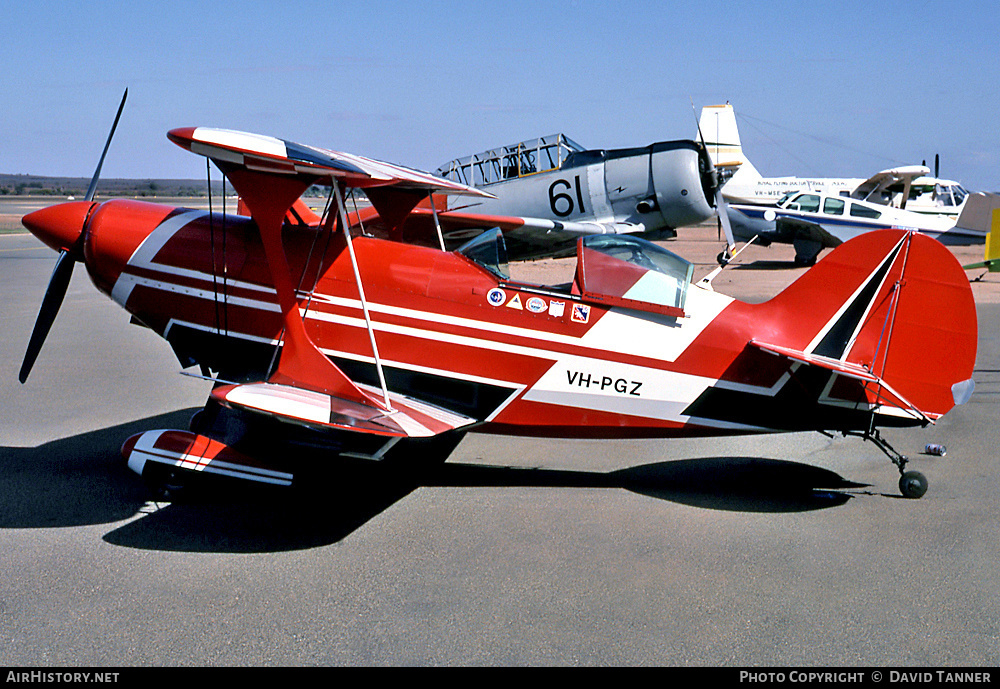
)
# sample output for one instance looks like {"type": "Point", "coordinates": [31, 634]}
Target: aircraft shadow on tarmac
{"type": "Point", "coordinates": [82, 480]}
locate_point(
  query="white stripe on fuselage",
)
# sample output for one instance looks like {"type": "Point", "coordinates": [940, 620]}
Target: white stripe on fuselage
{"type": "Point", "coordinates": [150, 246]}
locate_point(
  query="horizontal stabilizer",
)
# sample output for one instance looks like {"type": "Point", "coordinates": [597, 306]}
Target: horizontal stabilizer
{"type": "Point", "coordinates": [409, 418]}
{"type": "Point", "coordinates": [195, 453]}
{"type": "Point", "coordinates": [844, 368]}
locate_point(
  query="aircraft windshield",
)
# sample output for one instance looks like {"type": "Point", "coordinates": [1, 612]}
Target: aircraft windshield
{"type": "Point", "coordinates": [950, 194]}
{"type": "Point", "coordinates": [787, 195]}
{"type": "Point", "coordinates": [652, 275]}
{"type": "Point", "coordinates": [489, 251]}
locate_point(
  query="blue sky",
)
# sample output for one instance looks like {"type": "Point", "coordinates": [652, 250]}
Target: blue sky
{"type": "Point", "coordinates": [828, 89]}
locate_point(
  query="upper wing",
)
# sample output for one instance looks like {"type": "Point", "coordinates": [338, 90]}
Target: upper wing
{"type": "Point", "coordinates": [886, 178]}
{"type": "Point", "coordinates": [279, 157]}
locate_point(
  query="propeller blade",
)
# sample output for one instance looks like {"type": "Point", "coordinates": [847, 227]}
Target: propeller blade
{"type": "Point", "coordinates": [92, 189]}
{"type": "Point", "coordinates": [54, 294]}
{"type": "Point", "coordinates": [720, 202]}
{"type": "Point", "coordinates": [722, 208]}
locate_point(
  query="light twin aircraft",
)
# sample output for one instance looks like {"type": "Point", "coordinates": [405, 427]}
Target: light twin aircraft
{"type": "Point", "coordinates": [812, 221]}
{"type": "Point", "coordinates": [905, 187]}
{"type": "Point", "coordinates": [322, 340]}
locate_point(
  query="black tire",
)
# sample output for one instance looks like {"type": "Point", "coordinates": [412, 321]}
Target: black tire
{"type": "Point", "coordinates": [912, 484]}
{"type": "Point", "coordinates": [164, 484]}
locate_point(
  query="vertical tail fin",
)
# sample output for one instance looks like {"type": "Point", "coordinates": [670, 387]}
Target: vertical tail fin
{"type": "Point", "coordinates": [991, 255]}
{"type": "Point", "coordinates": [891, 303]}
{"type": "Point", "coordinates": [722, 139]}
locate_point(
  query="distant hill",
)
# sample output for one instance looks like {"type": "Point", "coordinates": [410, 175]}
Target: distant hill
{"type": "Point", "coordinates": [34, 185]}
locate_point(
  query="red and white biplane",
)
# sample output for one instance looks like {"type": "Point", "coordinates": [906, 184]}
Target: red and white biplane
{"type": "Point", "coordinates": [319, 335]}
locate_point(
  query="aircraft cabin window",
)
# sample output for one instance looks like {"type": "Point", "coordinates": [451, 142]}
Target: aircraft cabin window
{"type": "Point", "coordinates": [859, 211]}
{"type": "Point", "coordinates": [808, 203]}
{"type": "Point", "coordinates": [489, 251]}
{"type": "Point", "coordinates": [833, 206]}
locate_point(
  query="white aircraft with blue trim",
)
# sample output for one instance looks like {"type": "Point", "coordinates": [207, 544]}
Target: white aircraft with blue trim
{"type": "Point", "coordinates": [812, 221]}
{"type": "Point", "coordinates": [906, 187]}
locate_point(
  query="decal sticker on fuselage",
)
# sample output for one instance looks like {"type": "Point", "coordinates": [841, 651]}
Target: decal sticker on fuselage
{"type": "Point", "coordinates": [536, 305]}
{"type": "Point", "coordinates": [496, 297]}
{"type": "Point", "coordinates": [581, 313]}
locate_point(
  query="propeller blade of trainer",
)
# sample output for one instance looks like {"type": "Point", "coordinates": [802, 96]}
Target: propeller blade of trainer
{"type": "Point", "coordinates": [723, 210]}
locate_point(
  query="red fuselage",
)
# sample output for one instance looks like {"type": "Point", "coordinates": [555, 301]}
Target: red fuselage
{"type": "Point", "coordinates": [518, 358]}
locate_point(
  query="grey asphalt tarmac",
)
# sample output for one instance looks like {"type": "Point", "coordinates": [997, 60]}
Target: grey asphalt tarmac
{"type": "Point", "coordinates": [791, 550]}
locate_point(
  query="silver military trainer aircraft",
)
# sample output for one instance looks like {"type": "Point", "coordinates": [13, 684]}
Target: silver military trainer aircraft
{"type": "Point", "coordinates": [563, 190]}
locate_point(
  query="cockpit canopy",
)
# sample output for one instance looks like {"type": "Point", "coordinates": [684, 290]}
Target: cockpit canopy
{"type": "Point", "coordinates": [506, 162]}
{"type": "Point", "coordinates": [489, 251]}
{"type": "Point", "coordinates": [612, 270]}
{"type": "Point", "coordinates": [621, 270]}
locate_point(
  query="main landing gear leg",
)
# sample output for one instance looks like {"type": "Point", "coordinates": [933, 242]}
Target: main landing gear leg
{"type": "Point", "coordinates": [912, 484]}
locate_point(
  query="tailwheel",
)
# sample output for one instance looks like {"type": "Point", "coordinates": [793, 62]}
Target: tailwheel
{"type": "Point", "coordinates": [912, 484]}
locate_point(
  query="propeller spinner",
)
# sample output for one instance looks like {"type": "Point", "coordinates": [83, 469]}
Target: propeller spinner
{"type": "Point", "coordinates": [62, 228]}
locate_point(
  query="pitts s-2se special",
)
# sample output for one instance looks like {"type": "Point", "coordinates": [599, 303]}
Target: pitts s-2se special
{"type": "Point", "coordinates": [320, 336]}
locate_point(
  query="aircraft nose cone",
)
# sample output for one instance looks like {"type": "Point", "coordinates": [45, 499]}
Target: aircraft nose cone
{"type": "Point", "coordinates": [59, 226]}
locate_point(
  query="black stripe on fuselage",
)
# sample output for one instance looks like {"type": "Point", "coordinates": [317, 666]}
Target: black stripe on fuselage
{"type": "Point", "coordinates": [241, 360]}
{"type": "Point", "coordinates": [796, 406]}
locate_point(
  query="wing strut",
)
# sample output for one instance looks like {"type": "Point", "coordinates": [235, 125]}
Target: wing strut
{"type": "Point", "coordinates": [361, 291]}
{"type": "Point", "coordinates": [437, 222]}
